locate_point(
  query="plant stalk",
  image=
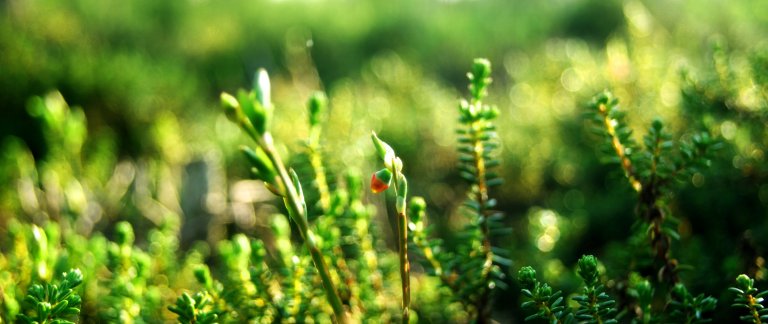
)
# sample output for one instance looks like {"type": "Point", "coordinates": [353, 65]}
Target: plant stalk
{"type": "Point", "coordinates": [402, 229]}
{"type": "Point", "coordinates": [298, 214]}
{"type": "Point", "coordinates": [481, 197]}
{"type": "Point", "coordinates": [405, 267]}
{"type": "Point", "coordinates": [626, 164]}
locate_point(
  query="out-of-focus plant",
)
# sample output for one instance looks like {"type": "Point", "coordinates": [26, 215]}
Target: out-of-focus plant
{"type": "Point", "coordinates": [130, 295]}
{"type": "Point", "coordinates": [652, 171]}
{"type": "Point", "coordinates": [194, 309]}
{"type": "Point", "coordinates": [51, 303]}
{"type": "Point", "coordinates": [252, 111]}
{"type": "Point", "coordinates": [685, 308]}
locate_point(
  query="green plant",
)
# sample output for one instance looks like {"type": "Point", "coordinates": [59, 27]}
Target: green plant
{"type": "Point", "coordinates": [595, 306]}
{"type": "Point", "coordinates": [76, 206]}
{"type": "Point", "coordinates": [194, 310]}
{"type": "Point", "coordinates": [652, 171]}
{"type": "Point", "coordinates": [642, 291]}
{"type": "Point", "coordinates": [750, 298]}
{"type": "Point", "coordinates": [392, 173]}
{"type": "Point", "coordinates": [252, 111]}
{"type": "Point", "coordinates": [543, 301]}
{"type": "Point", "coordinates": [685, 308]}
{"type": "Point", "coordinates": [51, 303]}
{"type": "Point", "coordinates": [478, 148]}
{"type": "Point", "coordinates": [474, 272]}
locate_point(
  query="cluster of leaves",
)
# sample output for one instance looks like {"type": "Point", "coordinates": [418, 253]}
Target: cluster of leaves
{"type": "Point", "coordinates": [51, 303]}
{"type": "Point", "coordinates": [546, 304]}
{"type": "Point", "coordinates": [286, 287]}
{"type": "Point", "coordinates": [65, 205]}
{"type": "Point", "coordinates": [750, 298]}
{"type": "Point", "coordinates": [194, 309]}
{"type": "Point", "coordinates": [652, 170]}
{"type": "Point", "coordinates": [685, 308]}
{"type": "Point", "coordinates": [595, 306]}
{"type": "Point", "coordinates": [475, 269]}
{"type": "Point", "coordinates": [340, 272]}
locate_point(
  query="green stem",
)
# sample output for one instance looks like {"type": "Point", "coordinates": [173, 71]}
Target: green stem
{"type": "Point", "coordinates": [405, 267]}
{"type": "Point", "coordinates": [402, 229]}
{"type": "Point", "coordinates": [755, 315]}
{"type": "Point", "coordinates": [619, 148]}
{"type": "Point", "coordinates": [481, 197]}
{"type": "Point", "coordinates": [297, 213]}
{"type": "Point", "coordinates": [550, 314]}
{"type": "Point", "coordinates": [593, 305]}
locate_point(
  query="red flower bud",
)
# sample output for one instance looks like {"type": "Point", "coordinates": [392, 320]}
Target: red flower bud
{"type": "Point", "coordinates": [380, 180]}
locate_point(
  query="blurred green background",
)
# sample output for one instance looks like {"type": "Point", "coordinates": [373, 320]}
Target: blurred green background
{"type": "Point", "coordinates": [147, 75]}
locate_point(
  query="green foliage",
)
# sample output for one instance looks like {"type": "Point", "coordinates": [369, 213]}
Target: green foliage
{"type": "Point", "coordinates": [51, 303]}
{"type": "Point", "coordinates": [252, 111]}
{"type": "Point", "coordinates": [143, 190]}
{"type": "Point", "coordinates": [652, 171]}
{"type": "Point", "coordinates": [750, 298]}
{"type": "Point", "coordinates": [595, 306]}
{"type": "Point", "coordinates": [546, 304]}
{"type": "Point", "coordinates": [194, 310]}
{"type": "Point", "coordinates": [478, 262]}
{"type": "Point", "coordinates": [685, 308]}
{"type": "Point", "coordinates": [642, 291]}
{"type": "Point", "coordinates": [475, 270]}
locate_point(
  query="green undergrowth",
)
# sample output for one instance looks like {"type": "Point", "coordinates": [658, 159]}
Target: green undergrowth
{"type": "Point", "coordinates": [299, 238]}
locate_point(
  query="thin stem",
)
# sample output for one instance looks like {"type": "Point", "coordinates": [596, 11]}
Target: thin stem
{"type": "Point", "coordinates": [405, 267]}
{"type": "Point", "coordinates": [592, 293]}
{"type": "Point", "coordinates": [481, 197]}
{"type": "Point", "coordinates": [660, 241]}
{"type": "Point", "coordinates": [755, 315]}
{"type": "Point", "coordinates": [626, 164]}
{"type": "Point", "coordinates": [550, 314]}
{"type": "Point", "coordinates": [297, 213]}
{"type": "Point", "coordinates": [402, 229]}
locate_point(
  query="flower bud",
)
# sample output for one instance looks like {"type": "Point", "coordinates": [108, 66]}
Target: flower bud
{"type": "Point", "coordinates": [381, 180]}
{"type": "Point", "coordinates": [480, 77]}
{"type": "Point", "coordinates": [263, 88]}
{"type": "Point", "coordinates": [386, 153]}
{"type": "Point", "coordinates": [229, 102]}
